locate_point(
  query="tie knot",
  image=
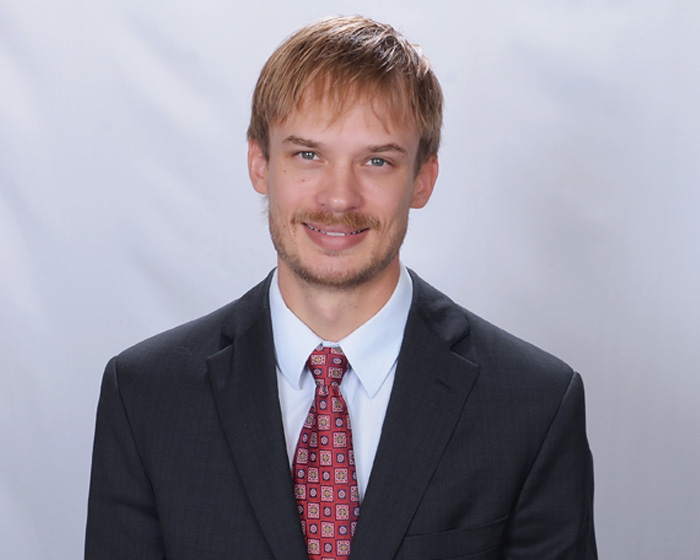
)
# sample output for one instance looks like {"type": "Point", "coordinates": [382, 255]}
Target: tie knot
{"type": "Point", "coordinates": [328, 365]}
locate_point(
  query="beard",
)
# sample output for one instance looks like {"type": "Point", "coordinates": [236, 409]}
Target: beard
{"type": "Point", "coordinates": [327, 276]}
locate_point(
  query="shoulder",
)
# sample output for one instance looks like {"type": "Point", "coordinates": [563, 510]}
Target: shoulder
{"type": "Point", "coordinates": [188, 345]}
{"type": "Point", "coordinates": [512, 356]}
{"type": "Point", "coordinates": [502, 357]}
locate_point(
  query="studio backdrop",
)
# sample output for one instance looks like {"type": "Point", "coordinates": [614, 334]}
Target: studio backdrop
{"type": "Point", "coordinates": [567, 211]}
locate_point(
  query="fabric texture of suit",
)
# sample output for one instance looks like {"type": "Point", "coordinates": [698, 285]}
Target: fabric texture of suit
{"type": "Point", "coordinates": [483, 453]}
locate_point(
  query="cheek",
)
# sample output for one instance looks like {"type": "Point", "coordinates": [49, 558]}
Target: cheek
{"type": "Point", "coordinates": [280, 195]}
{"type": "Point", "coordinates": [394, 207]}
{"type": "Point", "coordinates": [290, 188]}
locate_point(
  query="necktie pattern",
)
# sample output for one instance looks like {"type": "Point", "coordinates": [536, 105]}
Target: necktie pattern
{"type": "Point", "coordinates": [325, 481]}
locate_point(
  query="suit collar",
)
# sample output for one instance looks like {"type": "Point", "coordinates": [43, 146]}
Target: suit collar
{"type": "Point", "coordinates": [445, 318]}
{"type": "Point", "coordinates": [249, 309]}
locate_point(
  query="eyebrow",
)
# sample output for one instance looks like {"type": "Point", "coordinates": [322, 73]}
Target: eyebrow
{"type": "Point", "coordinates": [301, 142]}
{"type": "Point", "coordinates": [307, 143]}
{"type": "Point", "coordinates": [391, 147]}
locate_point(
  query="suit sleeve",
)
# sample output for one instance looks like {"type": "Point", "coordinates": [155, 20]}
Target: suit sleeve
{"type": "Point", "coordinates": [553, 517]}
{"type": "Point", "coordinates": [122, 519]}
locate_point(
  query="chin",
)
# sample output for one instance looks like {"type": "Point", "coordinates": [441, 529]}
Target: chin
{"type": "Point", "coordinates": [339, 279]}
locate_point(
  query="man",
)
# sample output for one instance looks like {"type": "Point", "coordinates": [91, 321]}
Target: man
{"type": "Point", "coordinates": [343, 405]}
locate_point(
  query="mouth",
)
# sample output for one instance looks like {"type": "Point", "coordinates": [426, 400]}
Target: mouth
{"type": "Point", "coordinates": [335, 233]}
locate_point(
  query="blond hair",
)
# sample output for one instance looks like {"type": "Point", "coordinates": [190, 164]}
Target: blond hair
{"type": "Point", "coordinates": [337, 59]}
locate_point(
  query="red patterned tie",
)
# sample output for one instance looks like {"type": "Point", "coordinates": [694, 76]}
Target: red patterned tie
{"type": "Point", "coordinates": [325, 482]}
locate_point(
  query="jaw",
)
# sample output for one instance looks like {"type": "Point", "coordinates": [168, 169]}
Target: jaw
{"type": "Point", "coordinates": [336, 273]}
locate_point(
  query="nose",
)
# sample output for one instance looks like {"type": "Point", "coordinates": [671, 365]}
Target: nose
{"type": "Point", "coordinates": [340, 190]}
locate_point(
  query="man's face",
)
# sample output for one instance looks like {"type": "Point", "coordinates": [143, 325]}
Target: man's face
{"type": "Point", "coordinates": [339, 191]}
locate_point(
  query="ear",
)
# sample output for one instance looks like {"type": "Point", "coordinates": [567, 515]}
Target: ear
{"type": "Point", "coordinates": [425, 181]}
{"type": "Point", "coordinates": [257, 167]}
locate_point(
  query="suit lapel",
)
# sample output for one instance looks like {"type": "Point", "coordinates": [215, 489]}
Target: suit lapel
{"type": "Point", "coordinates": [430, 389]}
{"type": "Point", "coordinates": [244, 384]}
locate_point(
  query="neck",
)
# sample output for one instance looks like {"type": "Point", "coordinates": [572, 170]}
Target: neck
{"type": "Point", "coordinates": [333, 313]}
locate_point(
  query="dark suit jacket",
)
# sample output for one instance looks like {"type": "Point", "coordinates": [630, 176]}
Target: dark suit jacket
{"type": "Point", "coordinates": [483, 453]}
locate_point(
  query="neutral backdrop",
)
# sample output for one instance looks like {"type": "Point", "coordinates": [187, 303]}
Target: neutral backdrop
{"type": "Point", "coordinates": [567, 211]}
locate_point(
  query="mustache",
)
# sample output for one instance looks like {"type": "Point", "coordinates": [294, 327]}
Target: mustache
{"type": "Point", "coordinates": [353, 220]}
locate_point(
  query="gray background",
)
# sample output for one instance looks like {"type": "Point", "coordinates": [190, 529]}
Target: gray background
{"type": "Point", "coordinates": [566, 212]}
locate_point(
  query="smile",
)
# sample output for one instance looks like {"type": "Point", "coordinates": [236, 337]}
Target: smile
{"type": "Point", "coordinates": [336, 233]}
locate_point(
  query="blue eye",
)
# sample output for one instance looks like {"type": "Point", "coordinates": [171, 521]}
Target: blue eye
{"type": "Point", "coordinates": [377, 162]}
{"type": "Point", "coordinates": [307, 155]}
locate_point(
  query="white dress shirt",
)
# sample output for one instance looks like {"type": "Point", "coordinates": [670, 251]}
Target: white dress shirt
{"type": "Point", "coordinates": [372, 351]}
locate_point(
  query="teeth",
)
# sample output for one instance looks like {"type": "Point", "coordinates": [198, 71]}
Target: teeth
{"type": "Point", "coordinates": [334, 233]}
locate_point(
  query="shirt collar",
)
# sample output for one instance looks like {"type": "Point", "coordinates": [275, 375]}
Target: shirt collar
{"type": "Point", "coordinates": [371, 349]}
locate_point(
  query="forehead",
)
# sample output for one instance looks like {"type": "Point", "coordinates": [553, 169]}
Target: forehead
{"type": "Point", "coordinates": [375, 112]}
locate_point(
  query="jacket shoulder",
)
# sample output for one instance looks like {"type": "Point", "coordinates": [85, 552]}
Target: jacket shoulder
{"type": "Point", "coordinates": [498, 353]}
{"type": "Point", "coordinates": [192, 342]}
{"type": "Point", "coordinates": [490, 344]}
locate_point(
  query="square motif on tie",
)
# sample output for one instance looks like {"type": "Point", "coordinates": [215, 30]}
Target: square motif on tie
{"type": "Point", "coordinates": [302, 456]}
{"type": "Point", "coordinates": [324, 422]}
{"type": "Point", "coordinates": [317, 359]}
{"type": "Point", "coordinates": [327, 529]}
{"type": "Point", "coordinates": [336, 404]}
{"type": "Point", "coordinates": [312, 475]}
{"type": "Point", "coordinates": [300, 491]}
{"type": "Point", "coordinates": [314, 546]}
{"type": "Point", "coordinates": [313, 510]}
{"type": "Point", "coordinates": [325, 457]}
{"type": "Point", "coordinates": [343, 548]}
{"type": "Point", "coordinates": [326, 493]}
{"type": "Point", "coordinates": [341, 476]}
{"type": "Point", "coordinates": [335, 373]}
{"type": "Point", "coordinates": [342, 512]}
{"type": "Point", "coordinates": [340, 440]}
